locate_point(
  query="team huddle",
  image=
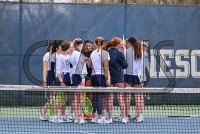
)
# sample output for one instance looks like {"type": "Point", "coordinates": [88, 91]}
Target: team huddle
{"type": "Point", "coordinates": [115, 63]}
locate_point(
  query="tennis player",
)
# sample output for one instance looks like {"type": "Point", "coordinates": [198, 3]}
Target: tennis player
{"type": "Point", "coordinates": [66, 66]}
{"type": "Point", "coordinates": [78, 77]}
{"type": "Point", "coordinates": [71, 49]}
{"type": "Point", "coordinates": [116, 65]}
{"type": "Point", "coordinates": [135, 65]}
{"type": "Point", "coordinates": [57, 62]}
{"type": "Point", "coordinates": [100, 77]}
{"type": "Point", "coordinates": [47, 78]}
{"type": "Point", "coordinates": [66, 73]}
{"type": "Point", "coordinates": [87, 52]}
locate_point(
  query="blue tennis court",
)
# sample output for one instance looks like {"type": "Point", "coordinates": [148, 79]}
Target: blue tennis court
{"type": "Point", "coordinates": [158, 119]}
{"type": "Point", "coordinates": [151, 125]}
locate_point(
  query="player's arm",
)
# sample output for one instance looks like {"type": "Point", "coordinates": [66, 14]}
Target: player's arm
{"type": "Point", "coordinates": [45, 64]}
{"type": "Point", "coordinates": [60, 79]}
{"type": "Point", "coordinates": [106, 68]}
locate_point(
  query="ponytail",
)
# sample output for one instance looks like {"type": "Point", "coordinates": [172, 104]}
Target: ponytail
{"type": "Point", "coordinates": [56, 44]}
{"type": "Point", "coordinates": [137, 51]}
{"type": "Point", "coordinates": [49, 47]}
{"type": "Point", "coordinates": [132, 40]}
{"type": "Point", "coordinates": [99, 41]}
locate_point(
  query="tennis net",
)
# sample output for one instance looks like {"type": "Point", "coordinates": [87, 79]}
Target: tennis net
{"type": "Point", "coordinates": [165, 111]}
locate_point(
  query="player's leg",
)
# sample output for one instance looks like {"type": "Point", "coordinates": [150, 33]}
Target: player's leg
{"type": "Point", "coordinates": [102, 83]}
{"type": "Point", "coordinates": [99, 106]}
{"type": "Point", "coordinates": [110, 97]}
{"type": "Point", "coordinates": [121, 100]}
{"type": "Point", "coordinates": [66, 80]}
{"type": "Point", "coordinates": [76, 82]}
{"type": "Point", "coordinates": [57, 102]}
{"type": "Point", "coordinates": [81, 116]}
{"type": "Point", "coordinates": [127, 100]}
{"type": "Point", "coordinates": [71, 106]}
{"type": "Point", "coordinates": [76, 111]}
{"type": "Point", "coordinates": [139, 102]}
{"type": "Point", "coordinates": [105, 105]}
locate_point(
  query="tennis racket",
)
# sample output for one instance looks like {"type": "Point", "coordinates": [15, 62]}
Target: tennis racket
{"type": "Point", "coordinates": [87, 105]}
{"type": "Point", "coordinates": [47, 108]}
{"type": "Point", "coordinates": [44, 107]}
{"type": "Point", "coordinates": [142, 84]}
{"type": "Point", "coordinates": [50, 109]}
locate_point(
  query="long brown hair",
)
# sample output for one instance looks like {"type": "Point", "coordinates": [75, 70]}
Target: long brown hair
{"type": "Point", "coordinates": [138, 50]}
{"type": "Point", "coordinates": [137, 47]}
{"type": "Point", "coordinates": [49, 47]}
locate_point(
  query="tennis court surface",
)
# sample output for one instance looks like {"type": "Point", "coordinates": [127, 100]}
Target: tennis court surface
{"type": "Point", "coordinates": [166, 113]}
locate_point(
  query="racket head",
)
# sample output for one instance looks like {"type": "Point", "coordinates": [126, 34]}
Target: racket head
{"type": "Point", "coordinates": [87, 107]}
{"type": "Point", "coordinates": [42, 108]}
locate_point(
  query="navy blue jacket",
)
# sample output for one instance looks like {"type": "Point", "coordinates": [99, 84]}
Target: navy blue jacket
{"type": "Point", "coordinates": [116, 65]}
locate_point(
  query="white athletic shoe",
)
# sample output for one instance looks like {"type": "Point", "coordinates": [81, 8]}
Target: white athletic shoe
{"type": "Point", "coordinates": [65, 119]}
{"type": "Point", "coordinates": [76, 121]}
{"type": "Point", "coordinates": [118, 119]}
{"type": "Point", "coordinates": [81, 121]}
{"type": "Point", "coordinates": [124, 120]}
{"type": "Point", "coordinates": [94, 120]}
{"type": "Point", "coordinates": [141, 116]}
{"type": "Point", "coordinates": [138, 120]}
{"type": "Point", "coordinates": [102, 121]}
{"type": "Point", "coordinates": [110, 121]}
{"type": "Point", "coordinates": [56, 120]}
{"type": "Point", "coordinates": [70, 116]}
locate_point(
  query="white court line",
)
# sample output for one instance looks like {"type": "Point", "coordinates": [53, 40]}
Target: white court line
{"type": "Point", "coordinates": [47, 132]}
{"type": "Point", "coordinates": [86, 132]}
